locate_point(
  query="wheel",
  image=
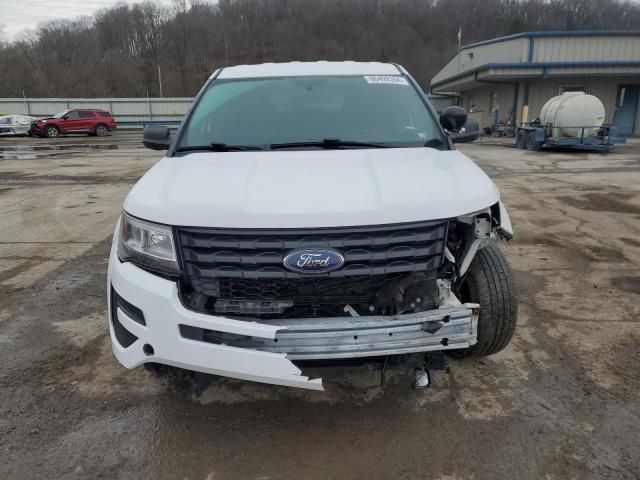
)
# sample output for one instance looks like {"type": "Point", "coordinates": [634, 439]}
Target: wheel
{"type": "Point", "coordinates": [490, 283]}
{"type": "Point", "coordinates": [521, 139]}
{"type": "Point", "coordinates": [52, 131]}
{"type": "Point", "coordinates": [102, 130]}
{"type": "Point", "coordinates": [532, 144]}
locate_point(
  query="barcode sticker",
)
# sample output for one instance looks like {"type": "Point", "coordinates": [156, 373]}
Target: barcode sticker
{"type": "Point", "coordinates": [387, 79]}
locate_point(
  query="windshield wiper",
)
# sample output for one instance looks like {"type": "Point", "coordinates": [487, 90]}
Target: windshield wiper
{"type": "Point", "coordinates": [218, 147]}
{"type": "Point", "coordinates": [328, 143]}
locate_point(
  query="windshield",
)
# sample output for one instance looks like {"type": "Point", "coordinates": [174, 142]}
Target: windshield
{"type": "Point", "coordinates": [385, 110]}
{"type": "Point", "coordinates": [61, 114]}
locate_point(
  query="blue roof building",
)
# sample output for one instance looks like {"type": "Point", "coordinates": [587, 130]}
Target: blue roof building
{"type": "Point", "coordinates": [495, 79]}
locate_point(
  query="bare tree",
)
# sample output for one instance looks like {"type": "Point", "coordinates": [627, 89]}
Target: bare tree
{"type": "Point", "coordinates": [122, 50]}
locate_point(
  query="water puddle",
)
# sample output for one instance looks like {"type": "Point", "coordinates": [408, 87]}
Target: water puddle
{"type": "Point", "coordinates": [627, 284]}
{"type": "Point", "coordinates": [19, 155]}
{"type": "Point", "coordinates": [32, 152]}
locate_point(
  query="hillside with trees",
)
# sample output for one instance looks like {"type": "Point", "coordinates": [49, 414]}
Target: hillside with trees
{"type": "Point", "coordinates": [119, 51]}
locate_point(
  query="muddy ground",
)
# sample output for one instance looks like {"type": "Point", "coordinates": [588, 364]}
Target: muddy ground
{"type": "Point", "coordinates": [561, 402]}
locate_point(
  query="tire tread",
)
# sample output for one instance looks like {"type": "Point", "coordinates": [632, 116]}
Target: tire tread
{"type": "Point", "coordinates": [495, 291]}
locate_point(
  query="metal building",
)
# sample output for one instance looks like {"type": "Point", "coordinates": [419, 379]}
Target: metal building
{"type": "Point", "coordinates": [496, 78]}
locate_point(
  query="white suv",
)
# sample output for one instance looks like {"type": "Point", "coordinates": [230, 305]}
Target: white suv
{"type": "Point", "coordinates": [309, 213]}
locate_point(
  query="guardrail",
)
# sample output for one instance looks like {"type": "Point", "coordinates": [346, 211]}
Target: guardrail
{"type": "Point", "coordinates": [125, 125]}
{"type": "Point", "coordinates": [123, 109]}
{"type": "Point", "coordinates": [128, 112]}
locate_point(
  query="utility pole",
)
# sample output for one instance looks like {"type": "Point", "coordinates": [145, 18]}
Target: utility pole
{"type": "Point", "coordinates": [160, 80]}
{"type": "Point", "coordinates": [28, 105]}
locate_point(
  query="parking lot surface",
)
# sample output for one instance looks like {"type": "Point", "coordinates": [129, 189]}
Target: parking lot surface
{"type": "Point", "coordinates": [561, 402]}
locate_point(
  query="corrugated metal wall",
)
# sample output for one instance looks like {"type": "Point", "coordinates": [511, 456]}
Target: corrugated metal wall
{"type": "Point", "coordinates": [541, 90]}
{"type": "Point", "coordinates": [549, 62]}
{"type": "Point", "coordinates": [586, 49]}
{"type": "Point", "coordinates": [127, 109]}
{"type": "Point", "coordinates": [478, 101]}
{"type": "Point", "coordinates": [515, 50]}
{"type": "Point", "coordinates": [124, 109]}
{"type": "Point", "coordinates": [441, 102]}
{"type": "Point", "coordinates": [606, 89]}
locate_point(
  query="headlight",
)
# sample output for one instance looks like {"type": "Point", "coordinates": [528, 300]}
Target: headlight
{"type": "Point", "coordinates": [147, 244]}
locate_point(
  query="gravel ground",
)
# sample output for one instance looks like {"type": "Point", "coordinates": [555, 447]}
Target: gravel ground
{"type": "Point", "coordinates": [561, 402]}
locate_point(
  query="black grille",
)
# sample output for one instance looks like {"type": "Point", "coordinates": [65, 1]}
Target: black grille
{"type": "Point", "coordinates": [359, 289]}
{"type": "Point", "coordinates": [247, 264]}
{"type": "Point", "coordinates": [215, 253]}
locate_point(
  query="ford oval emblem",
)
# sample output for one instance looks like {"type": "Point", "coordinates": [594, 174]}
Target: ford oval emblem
{"type": "Point", "coordinates": [313, 260]}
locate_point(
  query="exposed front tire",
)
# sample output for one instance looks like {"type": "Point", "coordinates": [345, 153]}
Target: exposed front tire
{"type": "Point", "coordinates": [102, 130]}
{"type": "Point", "coordinates": [490, 283]}
{"type": "Point", "coordinates": [51, 131]}
{"type": "Point", "coordinates": [521, 139]}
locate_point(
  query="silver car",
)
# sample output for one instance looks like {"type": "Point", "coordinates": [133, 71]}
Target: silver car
{"type": "Point", "coordinates": [15, 124]}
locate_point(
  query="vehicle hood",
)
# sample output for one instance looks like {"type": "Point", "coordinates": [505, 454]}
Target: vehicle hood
{"type": "Point", "coordinates": [306, 189]}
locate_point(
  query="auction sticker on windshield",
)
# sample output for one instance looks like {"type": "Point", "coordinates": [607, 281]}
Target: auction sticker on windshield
{"type": "Point", "coordinates": [387, 79]}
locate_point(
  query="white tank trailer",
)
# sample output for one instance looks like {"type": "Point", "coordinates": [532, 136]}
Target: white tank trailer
{"type": "Point", "coordinates": [572, 120]}
{"type": "Point", "coordinates": [570, 110]}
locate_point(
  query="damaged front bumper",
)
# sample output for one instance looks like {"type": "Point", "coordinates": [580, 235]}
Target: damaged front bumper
{"type": "Point", "coordinates": [158, 328]}
{"type": "Point", "coordinates": [352, 337]}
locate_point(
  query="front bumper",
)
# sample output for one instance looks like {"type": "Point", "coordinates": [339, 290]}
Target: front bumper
{"type": "Point", "coordinates": [262, 350]}
{"type": "Point", "coordinates": [37, 129]}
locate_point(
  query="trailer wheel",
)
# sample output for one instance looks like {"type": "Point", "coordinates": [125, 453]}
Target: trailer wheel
{"type": "Point", "coordinates": [532, 144]}
{"type": "Point", "coordinates": [490, 283]}
{"type": "Point", "coordinates": [521, 139]}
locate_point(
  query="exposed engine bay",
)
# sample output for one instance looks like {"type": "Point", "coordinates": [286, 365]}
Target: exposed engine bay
{"type": "Point", "coordinates": [444, 248]}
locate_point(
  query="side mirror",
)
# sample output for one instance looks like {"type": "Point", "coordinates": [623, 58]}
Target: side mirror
{"type": "Point", "coordinates": [156, 137]}
{"type": "Point", "coordinates": [453, 119]}
{"type": "Point", "coordinates": [459, 127]}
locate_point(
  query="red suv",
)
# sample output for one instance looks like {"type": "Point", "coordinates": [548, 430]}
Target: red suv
{"type": "Point", "coordinates": [88, 120]}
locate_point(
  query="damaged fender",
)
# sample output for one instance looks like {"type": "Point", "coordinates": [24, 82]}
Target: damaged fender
{"type": "Point", "coordinates": [505, 222]}
{"type": "Point", "coordinates": [488, 224]}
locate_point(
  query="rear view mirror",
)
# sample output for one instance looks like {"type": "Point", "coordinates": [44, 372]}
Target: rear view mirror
{"type": "Point", "coordinates": [460, 128]}
{"type": "Point", "coordinates": [156, 137]}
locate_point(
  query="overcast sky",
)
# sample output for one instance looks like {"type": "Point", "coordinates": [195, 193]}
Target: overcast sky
{"type": "Point", "coordinates": [18, 15]}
